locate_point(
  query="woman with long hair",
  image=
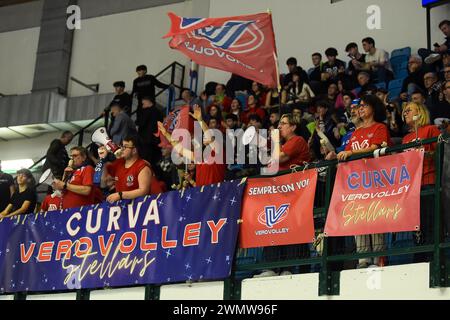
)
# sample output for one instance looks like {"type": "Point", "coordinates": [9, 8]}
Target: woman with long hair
{"type": "Point", "coordinates": [417, 119]}
{"type": "Point", "coordinates": [326, 123]}
{"type": "Point", "coordinates": [236, 109]}
{"type": "Point", "coordinates": [253, 108]}
{"type": "Point", "coordinates": [369, 136]}
{"type": "Point", "coordinates": [23, 201]}
{"type": "Point", "coordinates": [214, 112]}
{"type": "Point", "coordinates": [259, 93]}
{"type": "Point", "coordinates": [298, 92]}
{"type": "Point", "coordinates": [373, 133]}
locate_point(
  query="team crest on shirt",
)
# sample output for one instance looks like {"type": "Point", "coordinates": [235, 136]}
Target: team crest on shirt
{"type": "Point", "coordinates": [356, 145]}
{"type": "Point", "coordinates": [130, 180]}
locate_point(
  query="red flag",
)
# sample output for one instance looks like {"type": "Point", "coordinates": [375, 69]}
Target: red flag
{"type": "Point", "coordinates": [373, 196]}
{"type": "Point", "coordinates": [179, 118]}
{"type": "Point", "coordinates": [244, 45]}
{"type": "Point", "coordinates": [278, 211]}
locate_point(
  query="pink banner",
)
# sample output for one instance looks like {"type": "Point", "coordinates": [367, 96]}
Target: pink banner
{"type": "Point", "coordinates": [377, 195]}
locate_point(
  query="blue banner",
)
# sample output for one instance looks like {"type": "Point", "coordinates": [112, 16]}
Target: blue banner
{"type": "Point", "coordinates": [172, 237]}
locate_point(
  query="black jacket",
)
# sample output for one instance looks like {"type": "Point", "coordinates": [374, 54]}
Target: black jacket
{"type": "Point", "coordinates": [148, 125]}
{"type": "Point", "coordinates": [125, 100]}
{"type": "Point", "coordinates": [416, 78]}
{"type": "Point", "coordinates": [145, 86]}
{"type": "Point", "coordinates": [57, 158]}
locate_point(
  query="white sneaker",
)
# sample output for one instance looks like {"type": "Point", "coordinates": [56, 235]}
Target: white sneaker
{"type": "Point", "coordinates": [362, 265]}
{"type": "Point", "coordinates": [432, 58]}
{"type": "Point", "coordinates": [266, 273]}
{"type": "Point", "coordinates": [285, 273]}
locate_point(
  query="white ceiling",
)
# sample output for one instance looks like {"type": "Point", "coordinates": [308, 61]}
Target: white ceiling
{"type": "Point", "coordinates": [35, 130]}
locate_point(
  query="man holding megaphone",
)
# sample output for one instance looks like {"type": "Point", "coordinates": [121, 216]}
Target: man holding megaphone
{"type": "Point", "coordinates": [77, 184]}
{"type": "Point", "coordinates": [132, 175]}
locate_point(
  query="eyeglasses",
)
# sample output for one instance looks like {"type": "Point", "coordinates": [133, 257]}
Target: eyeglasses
{"type": "Point", "coordinates": [283, 123]}
{"type": "Point", "coordinates": [363, 105]}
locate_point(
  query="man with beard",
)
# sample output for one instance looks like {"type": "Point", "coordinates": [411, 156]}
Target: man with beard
{"type": "Point", "coordinates": [131, 173]}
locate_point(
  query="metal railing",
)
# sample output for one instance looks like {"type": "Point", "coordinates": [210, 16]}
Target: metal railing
{"type": "Point", "coordinates": [249, 261]}
{"type": "Point", "coordinates": [172, 94]}
{"type": "Point", "coordinates": [400, 247]}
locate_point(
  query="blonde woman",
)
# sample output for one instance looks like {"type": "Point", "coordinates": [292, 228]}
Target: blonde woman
{"type": "Point", "coordinates": [417, 118]}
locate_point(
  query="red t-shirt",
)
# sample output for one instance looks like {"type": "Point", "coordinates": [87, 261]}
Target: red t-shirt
{"type": "Point", "coordinates": [363, 138]}
{"type": "Point", "coordinates": [126, 178]}
{"type": "Point", "coordinates": [51, 203]}
{"type": "Point", "coordinates": [209, 172]}
{"type": "Point", "coordinates": [157, 186]}
{"type": "Point", "coordinates": [257, 110]}
{"type": "Point", "coordinates": [83, 176]}
{"type": "Point", "coordinates": [298, 151]}
{"type": "Point", "coordinates": [226, 104]}
{"type": "Point", "coordinates": [98, 195]}
{"type": "Point", "coordinates": [426, 132]}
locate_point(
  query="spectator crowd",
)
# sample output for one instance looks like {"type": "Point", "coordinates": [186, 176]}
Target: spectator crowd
{"type": "Point", "coordinates": [334, 110]}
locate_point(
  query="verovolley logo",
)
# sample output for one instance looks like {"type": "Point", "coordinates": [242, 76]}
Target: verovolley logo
{"type": "Point", "coordinates": [271, 216]}
{"type": "Point", "coordinates": [233, 36]}
{"type": "Point", "coordinates": [186, 23]}
{"type": "Point", "coordinates": [173, 119]}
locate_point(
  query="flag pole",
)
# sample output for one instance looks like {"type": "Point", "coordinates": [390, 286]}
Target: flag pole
{"type": "Point", "coordinates": [277, 69]}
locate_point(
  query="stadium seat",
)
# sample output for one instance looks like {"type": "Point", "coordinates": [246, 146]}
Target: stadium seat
{"type": "Point", "coordinates": [402, 51]}
{"type": "Point", "coordinates": [247, 256]}
{"type": "Point", "coordinates": [399, 59]}
{"type": "Point", "coordinates": [395, 83]}
{"type": "Point", "coordinates": [380, 85]}
{"type": "Point", "coordinates": [400, 240]}
{"type": "Point", "coordinates": [395, 88]}
{"type": "Point", "coordinates": [242, 97]}
{"type": "Point", "coordinates": [401, 74]}
{"type": "Point", "coordinates": [399, 63]}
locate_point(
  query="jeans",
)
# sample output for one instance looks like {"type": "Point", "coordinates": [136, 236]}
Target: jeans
{"type": "Point", "coordinates": [369, 243]}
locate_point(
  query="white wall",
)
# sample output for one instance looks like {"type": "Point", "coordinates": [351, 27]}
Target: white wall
{"type": "Point", "coordinates": [56, 296]}
{"type": "Point", "coordinates": [137, 293]}
{"type": "Point", "coordinates": [193, 291]}
{"type": "Point", "coordinates": [109, 48]}
{"type": "Point", "coordinates": [437, 15]}
{"type": "Point", "coordinates": [403, 282]}
{"type": "Point", "coordinates": [303, 26]}
{"type": "Point", "coordinates": [17, 60]}
{"type": "Point", "coordinates": [27, 148]}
